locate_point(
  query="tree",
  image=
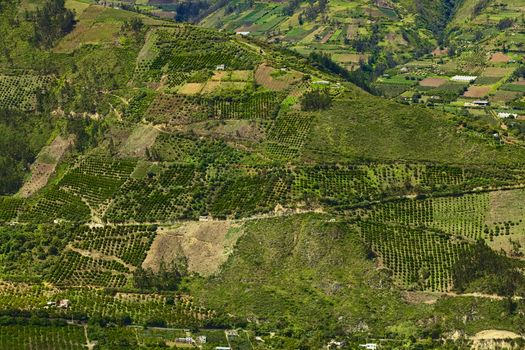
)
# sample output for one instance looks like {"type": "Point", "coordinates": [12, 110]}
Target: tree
{"type": "Point", "coordinates": [316, 100]}
{"type": "Point", "coordinates": [51, 22]}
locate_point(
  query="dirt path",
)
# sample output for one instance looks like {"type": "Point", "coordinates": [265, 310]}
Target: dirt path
{"type": "Point", "coordinates": [89, 344]}
{"type": "Point", "coordinates": [98, 255]}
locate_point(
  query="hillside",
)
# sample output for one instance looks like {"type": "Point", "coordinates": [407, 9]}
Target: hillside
{"type": "Point", "coordinates": [171, 181]}
{"type": "Point", "coordinates": [351, 32]}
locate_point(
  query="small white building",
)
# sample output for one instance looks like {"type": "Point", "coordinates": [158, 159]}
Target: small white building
{"type": "Point", "coordinates": [185, 340]}
{"type": "Point", "coordinates": [482, 103]}
{"type": "Point", "coordinates": [243, 33]}
{"type": "Point", "coordinates": [464, 78]}
{"type": "Point", "coordinates": [369, 346]}
{"type": "Point", "coordinates": [504, 115]}
{"type": "Point", "coordinates": [221, 67]}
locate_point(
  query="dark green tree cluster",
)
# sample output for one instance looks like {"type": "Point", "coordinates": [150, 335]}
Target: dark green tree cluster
{"type": "Point", "coordinates": [22, 136]}
{"type": "Point", "coordinates": [483, 270]}
{"type": "Point", "coordinates": [51, 22]}
{"type": "Point", "coordinates": [167, 278]}
{"type": "Point", "coordinates": [316, 100]}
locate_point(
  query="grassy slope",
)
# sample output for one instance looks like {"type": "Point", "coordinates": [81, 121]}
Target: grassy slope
{"type": "Point", "coordinates": [307, 275]}
{"type": "Point", "coordinates": [363, 126]}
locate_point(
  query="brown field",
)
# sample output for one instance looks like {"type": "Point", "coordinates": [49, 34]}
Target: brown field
{"type": "Point", "coordinates": [433, 82]}
{"type": "Point", "coordinates": [45, 164]}
{"type": "Point", "coordinates": [263, 76]}
{"type": "Point", "coordinates": [438, 52]}
{"type": "Point", "coordinates": [499, 57]}
{"type": "Point", "coordinates": [205, 245]}
{"type": "Point", "coordinates": [212, 86]}
{"type": "Point", "coordinates": [220, 75]}
{"type": "Point", "coordinates": [327, 37]}
{"type": "Point", "coordinates": [477, 91]}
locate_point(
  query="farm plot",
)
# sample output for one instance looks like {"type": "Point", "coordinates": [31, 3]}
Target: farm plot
{"type": "Point", "coordinates": [23, 337]}
{"type": "Point", "coordinates": [506, 213]}
{"type": "Point", "coordinates": [175, 309]}
{"type": "Point", "coordinates": [127, 243]}
{"type": "Point", "coordinates": [19, 92]}
{"type": "Point", "coordinates": [272, 79]}
{"type": "Point", "coordinates": [45, 164]}
{"type": "Point", "coordinates": [97, 179]}
{"type": "Point", "coordinates": [176, 109]}
{"type": "Point", "coordinates": [476, 91]}
{"type": "Point", "coordinates": [433, 82]}
{"type": "Point", "coordinates": [260, 105]}
{"type": "Point", "coordinates": [76, 270]}
{"type": "Point", "coordinates": [174, 193]}
{"type": "Point", "coordinates": [418, 259]}
{"type": "Point", "coordinates": [205, 246]}
{"type": "Point", "coordinates": [517, 87]}
{"type": "Point", "coordinates": [243, 192]}
{"type": "Point", "coordinates": [9, 208]}
{"type": "Point", "coordinates": [140, 308]}
{"type": "Point", "coordinates": [333, 184]}
{"type": "Point", "coordinates": [55, 204]}
{"type": "Point", "coordinates": [186, 149]}
{"type": "Point", "coordinates": [289, 131]}
{"type": "Point", "coordinates": [185, 49]}
{"type": "Point", "coordinates": [460, 216]}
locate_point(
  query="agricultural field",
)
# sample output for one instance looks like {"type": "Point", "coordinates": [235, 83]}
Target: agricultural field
{"type": "Point", "coordinates": [176, 186]}
{"type": "Point", "coordinates": [340, 29]}
{"type": "Point", "coordinates": [19, 91]}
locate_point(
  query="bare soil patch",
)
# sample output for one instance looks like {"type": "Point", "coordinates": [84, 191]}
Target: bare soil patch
{"type": "Point", "coordinates": [495, 334]}
{"type": "Point", "coordinates": [206, 246]}
{"type": "Point", "coordinates": [45, 164]}
{"type": "Point", "coordinates": [440, 52]}
{"type": "Point", "coordinates": [263, 76]}
{"type": "Point", "coordinates": [499, 57]}
{"type": "Point", "coordinates": [477, 91]}
{"type": "Point", "coordinates": [327, 37]}
{"type": "Point", "coordinates": [494, 339]}
{"type": "Point", "coordinates": [141, 138]}
{"type": "Point", "coordinates": [419, 297]}
{"type": "Point", "coordinates": [433, 82]}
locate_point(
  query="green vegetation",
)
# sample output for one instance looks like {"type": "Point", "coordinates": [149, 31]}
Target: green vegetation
{"type": "Point", "coordinates": [221, 186]}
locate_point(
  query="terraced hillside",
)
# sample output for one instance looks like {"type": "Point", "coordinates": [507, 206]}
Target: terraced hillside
{"type": "Point", "coordinates": [203, 187]}
{"type": "Point", "coordinates": [350, 32]}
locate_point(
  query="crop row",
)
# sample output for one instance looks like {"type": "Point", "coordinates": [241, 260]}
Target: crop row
{"type": "Point", "coordinates": [75, 269]}
{"type": "Point", "coordinates": [180, 109]}
{"type": "Point", "coordinates": [129, 243]}
{"type": "Point", "coordinates": [419, 259]}
{"type": "Point", "coordinates": [19, 91]}
{"type": "Point", "coordinates": [43, 338]}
